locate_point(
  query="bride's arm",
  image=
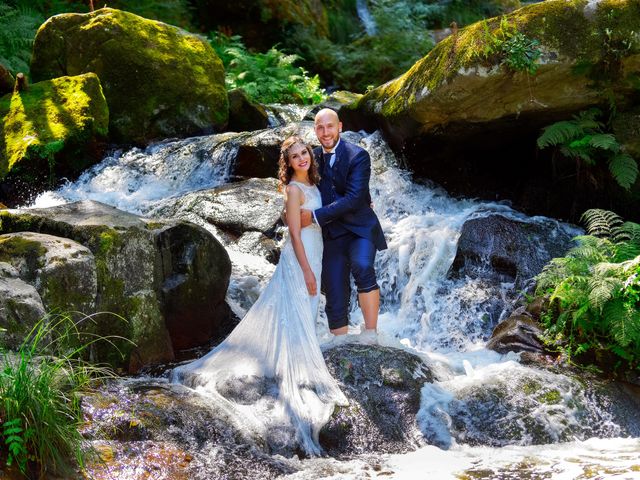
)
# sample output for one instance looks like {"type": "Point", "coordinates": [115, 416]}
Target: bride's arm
{"type": "Point", "coordinates": [293, 201]}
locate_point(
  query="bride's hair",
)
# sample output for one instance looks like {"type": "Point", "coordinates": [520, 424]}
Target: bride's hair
{"type": "Point", "coordinates": [285, 171]}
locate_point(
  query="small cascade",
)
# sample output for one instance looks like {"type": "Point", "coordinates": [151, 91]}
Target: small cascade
{"type": "Point", "coordinates": [365, 17]}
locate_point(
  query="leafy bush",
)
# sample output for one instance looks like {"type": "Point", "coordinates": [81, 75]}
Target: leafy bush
{"type": "Point", "coordinates": [584, 138]}
{"type": "Point", "coordinates": [464, 12]}
{"type": "Point", "coordinates": [18, 27]}
{"type": "Point", "coordinates": [594, 291]}
{"type": "Point", "coordinates": [513, 48]}
{"type": "Point", "coordinates": [268, 77]}
{"type": "Point", "coordinates": [39, 396]}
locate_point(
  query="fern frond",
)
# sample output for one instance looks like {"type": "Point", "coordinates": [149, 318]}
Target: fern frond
{"type": "Point", "coordinates": [604, 141]}
{"type": "Point", "coordinates": [603, 289]}
{"type": "Point", "coordinates": [624, 322]}
{"type": "Point", "coordinates": [558, 133]}
{"type": "Point", "coordinates": [586, 119]}
{"type": "Point", "coordinates": [591, 249]}
{"type": "Point", "coordinates": [600, 223]}
{"type": "Point", "coordinates": [624, 169]}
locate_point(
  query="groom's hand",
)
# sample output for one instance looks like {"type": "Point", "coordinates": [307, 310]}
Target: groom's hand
{"type": "Point", "coordinates": [305, 218]}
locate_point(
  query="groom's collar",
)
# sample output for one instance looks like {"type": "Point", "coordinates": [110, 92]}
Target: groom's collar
{"type": "Point", "coordinates": [333, 150]}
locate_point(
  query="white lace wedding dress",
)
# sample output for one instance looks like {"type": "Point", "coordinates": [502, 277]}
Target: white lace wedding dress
{"type": "Point", "coordinates": [268, 375]}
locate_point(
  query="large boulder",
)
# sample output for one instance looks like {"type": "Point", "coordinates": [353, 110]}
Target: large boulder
{"type": "Point", "coordinates": [166, 278]}
{"type": "Point", "coordinates": [159, 81]}
{"type": "Point", "coordinates": [244, 114]}
{"type": "Point", "coordinates": [465, 119]}
{"type": "Point", "coordinates": [383, 387]}
{"type": "Point", "coordinates": [20, 307]}
{"type": "Point", "coordinates": [51, 130]}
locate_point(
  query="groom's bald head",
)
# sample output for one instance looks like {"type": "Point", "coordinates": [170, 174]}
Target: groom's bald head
{"type": "Point", "coordinates": [327, 126]}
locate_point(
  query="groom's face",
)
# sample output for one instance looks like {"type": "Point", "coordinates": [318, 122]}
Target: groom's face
{"type": "Point", "coordinates": [328, 130]}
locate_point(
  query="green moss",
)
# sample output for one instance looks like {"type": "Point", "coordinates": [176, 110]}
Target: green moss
{"type": "Point", "coordinates": [551, 397]}
{"type": "Point", "coordinates": [158, 80]}
{"type": "Point", "coordinates": [64, 114]}
{"type": "Point", "coordinates": [13, 247]}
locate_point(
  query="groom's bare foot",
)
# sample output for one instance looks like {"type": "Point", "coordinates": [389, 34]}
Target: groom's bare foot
{"type": "Point", "coordinates": [340, 331]}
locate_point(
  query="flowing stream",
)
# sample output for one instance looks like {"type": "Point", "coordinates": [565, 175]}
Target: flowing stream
{"type": "Point", "coordinates": [487, 415]}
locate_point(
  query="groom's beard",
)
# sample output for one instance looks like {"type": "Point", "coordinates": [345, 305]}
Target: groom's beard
{"type": "Point", "coordinates": [334, 142]}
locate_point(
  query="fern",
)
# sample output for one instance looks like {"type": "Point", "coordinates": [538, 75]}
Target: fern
{"type": "Point", "coordinates": [600, 223]}
{"type": "Point", "coordinates": [584, 139]}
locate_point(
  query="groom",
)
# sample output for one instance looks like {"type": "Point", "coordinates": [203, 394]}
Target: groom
{"type": "Point", "coordinates": [351, 230]}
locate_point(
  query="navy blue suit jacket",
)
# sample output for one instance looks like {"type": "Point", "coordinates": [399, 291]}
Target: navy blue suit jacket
{"type": "Point", "coordinates": [345, 195]}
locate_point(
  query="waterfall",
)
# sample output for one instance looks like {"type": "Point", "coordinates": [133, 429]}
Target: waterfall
{"type": "Point", "coordinates": [365, 17]}
{"type": "Point", "coordinates": [479, 398]}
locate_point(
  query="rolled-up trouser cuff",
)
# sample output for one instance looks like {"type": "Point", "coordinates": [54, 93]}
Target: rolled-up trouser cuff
{"type": "Point", "coordinates": [369, 289]}
{"type": "Point", "coordinates": [334, 324]}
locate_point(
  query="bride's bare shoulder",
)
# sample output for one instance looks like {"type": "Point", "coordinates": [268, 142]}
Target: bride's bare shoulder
{"type": "Point", "coordinates": [293, 192]}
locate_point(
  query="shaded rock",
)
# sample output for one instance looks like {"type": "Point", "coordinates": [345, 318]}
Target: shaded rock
{"type": "Point", "coordinates": [251, 205]}
{"type": "Point", "coordinates": [20, 307]}
{"type": "Point", "coordinates": [6, 80]}
{"type": "Point", "coordinates": [336, 101]}
{"type": "Point", "coordinates": [52, 130]}
{"type": "Point", "coordinates": [143, 268]}
{"type": "Point", "coordinates": [159, 81]}
{"type": "Point", "coordinates": [516, 334]}
{"type": "Point", "coordinates": [244, 114]}
{"type": "Point", "coordinates": [504, 249]}
{"type": "Point", "coordinates": [62, 271]}
{"type": "Point", "coordinates": [383, 387]}
{"type": "Point", "coordinates": [258, 244]}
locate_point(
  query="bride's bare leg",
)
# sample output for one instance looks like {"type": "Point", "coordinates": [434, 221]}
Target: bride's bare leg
{"type": "Point", "coordinates": [370, 305]}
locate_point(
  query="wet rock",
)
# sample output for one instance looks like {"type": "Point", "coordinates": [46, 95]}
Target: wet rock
{"type": "Point", "coordinates": [383, 387]}
{"type": "Point", "coordinates": [159, 80]}
{"type": "Point", "coordinates": [20, 307]}
{"type": "Point", "coordinates": [135, 424]}
{"type": "Point", "coordinates": [258, 244]}
{"type": "Point", "coordinates": [503, 249]}
{"type": "Point", "coordinates": [516, 334]}
{"type": "Point", "coordinates": [244, 114]}
{"type": "Point", "coordinates": [162, 276]}
{"type": "Point", "coordinates": [253, 205]}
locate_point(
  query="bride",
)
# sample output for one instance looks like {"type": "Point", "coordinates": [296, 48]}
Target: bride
{"type": "Point", "coordinates": [269, 375]}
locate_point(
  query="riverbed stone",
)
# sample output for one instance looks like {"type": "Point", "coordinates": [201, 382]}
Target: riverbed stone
{"type": "Point", "coordinates": [244, 114]}
{"type": "Point", "coordinates": [383, 386]}
{"type": "Point", "coordinates": [143, 269]}
{"type": "Point", "coordinates": [159, 80]}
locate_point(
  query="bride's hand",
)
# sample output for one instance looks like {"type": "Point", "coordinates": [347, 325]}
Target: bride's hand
{"type": "Point", "coordinates": [310, 280]}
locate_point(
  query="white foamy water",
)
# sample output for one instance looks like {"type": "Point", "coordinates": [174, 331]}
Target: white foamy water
{"type": "Point", "coordinates": [445, 320]}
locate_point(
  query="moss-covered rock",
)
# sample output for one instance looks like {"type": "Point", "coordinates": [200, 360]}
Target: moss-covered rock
{"type": "Point", "coordinates": [142, 268]}
{"type": "Point", "coordinates": [464, 78]}
{"type": "Point", "coordinates": [62, 271]}
{"type": "Point", "coordinates": [52, 129]}
{"type": "Point", "coordinates": [159, 81]}
{"type": "Point", "coordinates": [20, 307]}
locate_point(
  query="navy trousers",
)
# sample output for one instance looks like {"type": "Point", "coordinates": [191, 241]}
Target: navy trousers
{"type": "Point", "coordinates": [342, 256]}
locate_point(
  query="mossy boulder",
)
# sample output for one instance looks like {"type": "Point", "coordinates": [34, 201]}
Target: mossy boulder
{"type": "Point", "coordinates": [464, 118]}
{"type": "Point", "coordinates": [465, 79]}
{"type": "Point", "coordinates": [62, 271]}
{"type": "Point", "coordinates": [159, 81]}
{"type": "Point", "coordinates": [163, 277]}
{"type": "Point", "coordinates": [20, 307]}
{"type": "Point", "coordinates": [51, 130]}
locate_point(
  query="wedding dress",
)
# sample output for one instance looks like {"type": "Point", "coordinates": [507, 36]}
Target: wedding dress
{"type": "Point", "coordinates": [268, 375]}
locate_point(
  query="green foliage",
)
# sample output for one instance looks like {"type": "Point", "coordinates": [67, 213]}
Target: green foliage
{"type": "Point", "coordinates": [173, 12]}
{"type": "Point", "coordinates": [269, 77]}
{"type": "Point", "coordinates": [517, 51]}
{"type": "Point", "coordinates": [465, 12]}
{"type": "Point", "coordinates": [594, 291]}
{"type": "Point", "coordinates": [584, 138]}
{"type": "Point", "coordinates": [39, 395]}
{"type": "Point", "coordinates": [17, 30]}
{"type": "Point", "coordinates": [400, 39]}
